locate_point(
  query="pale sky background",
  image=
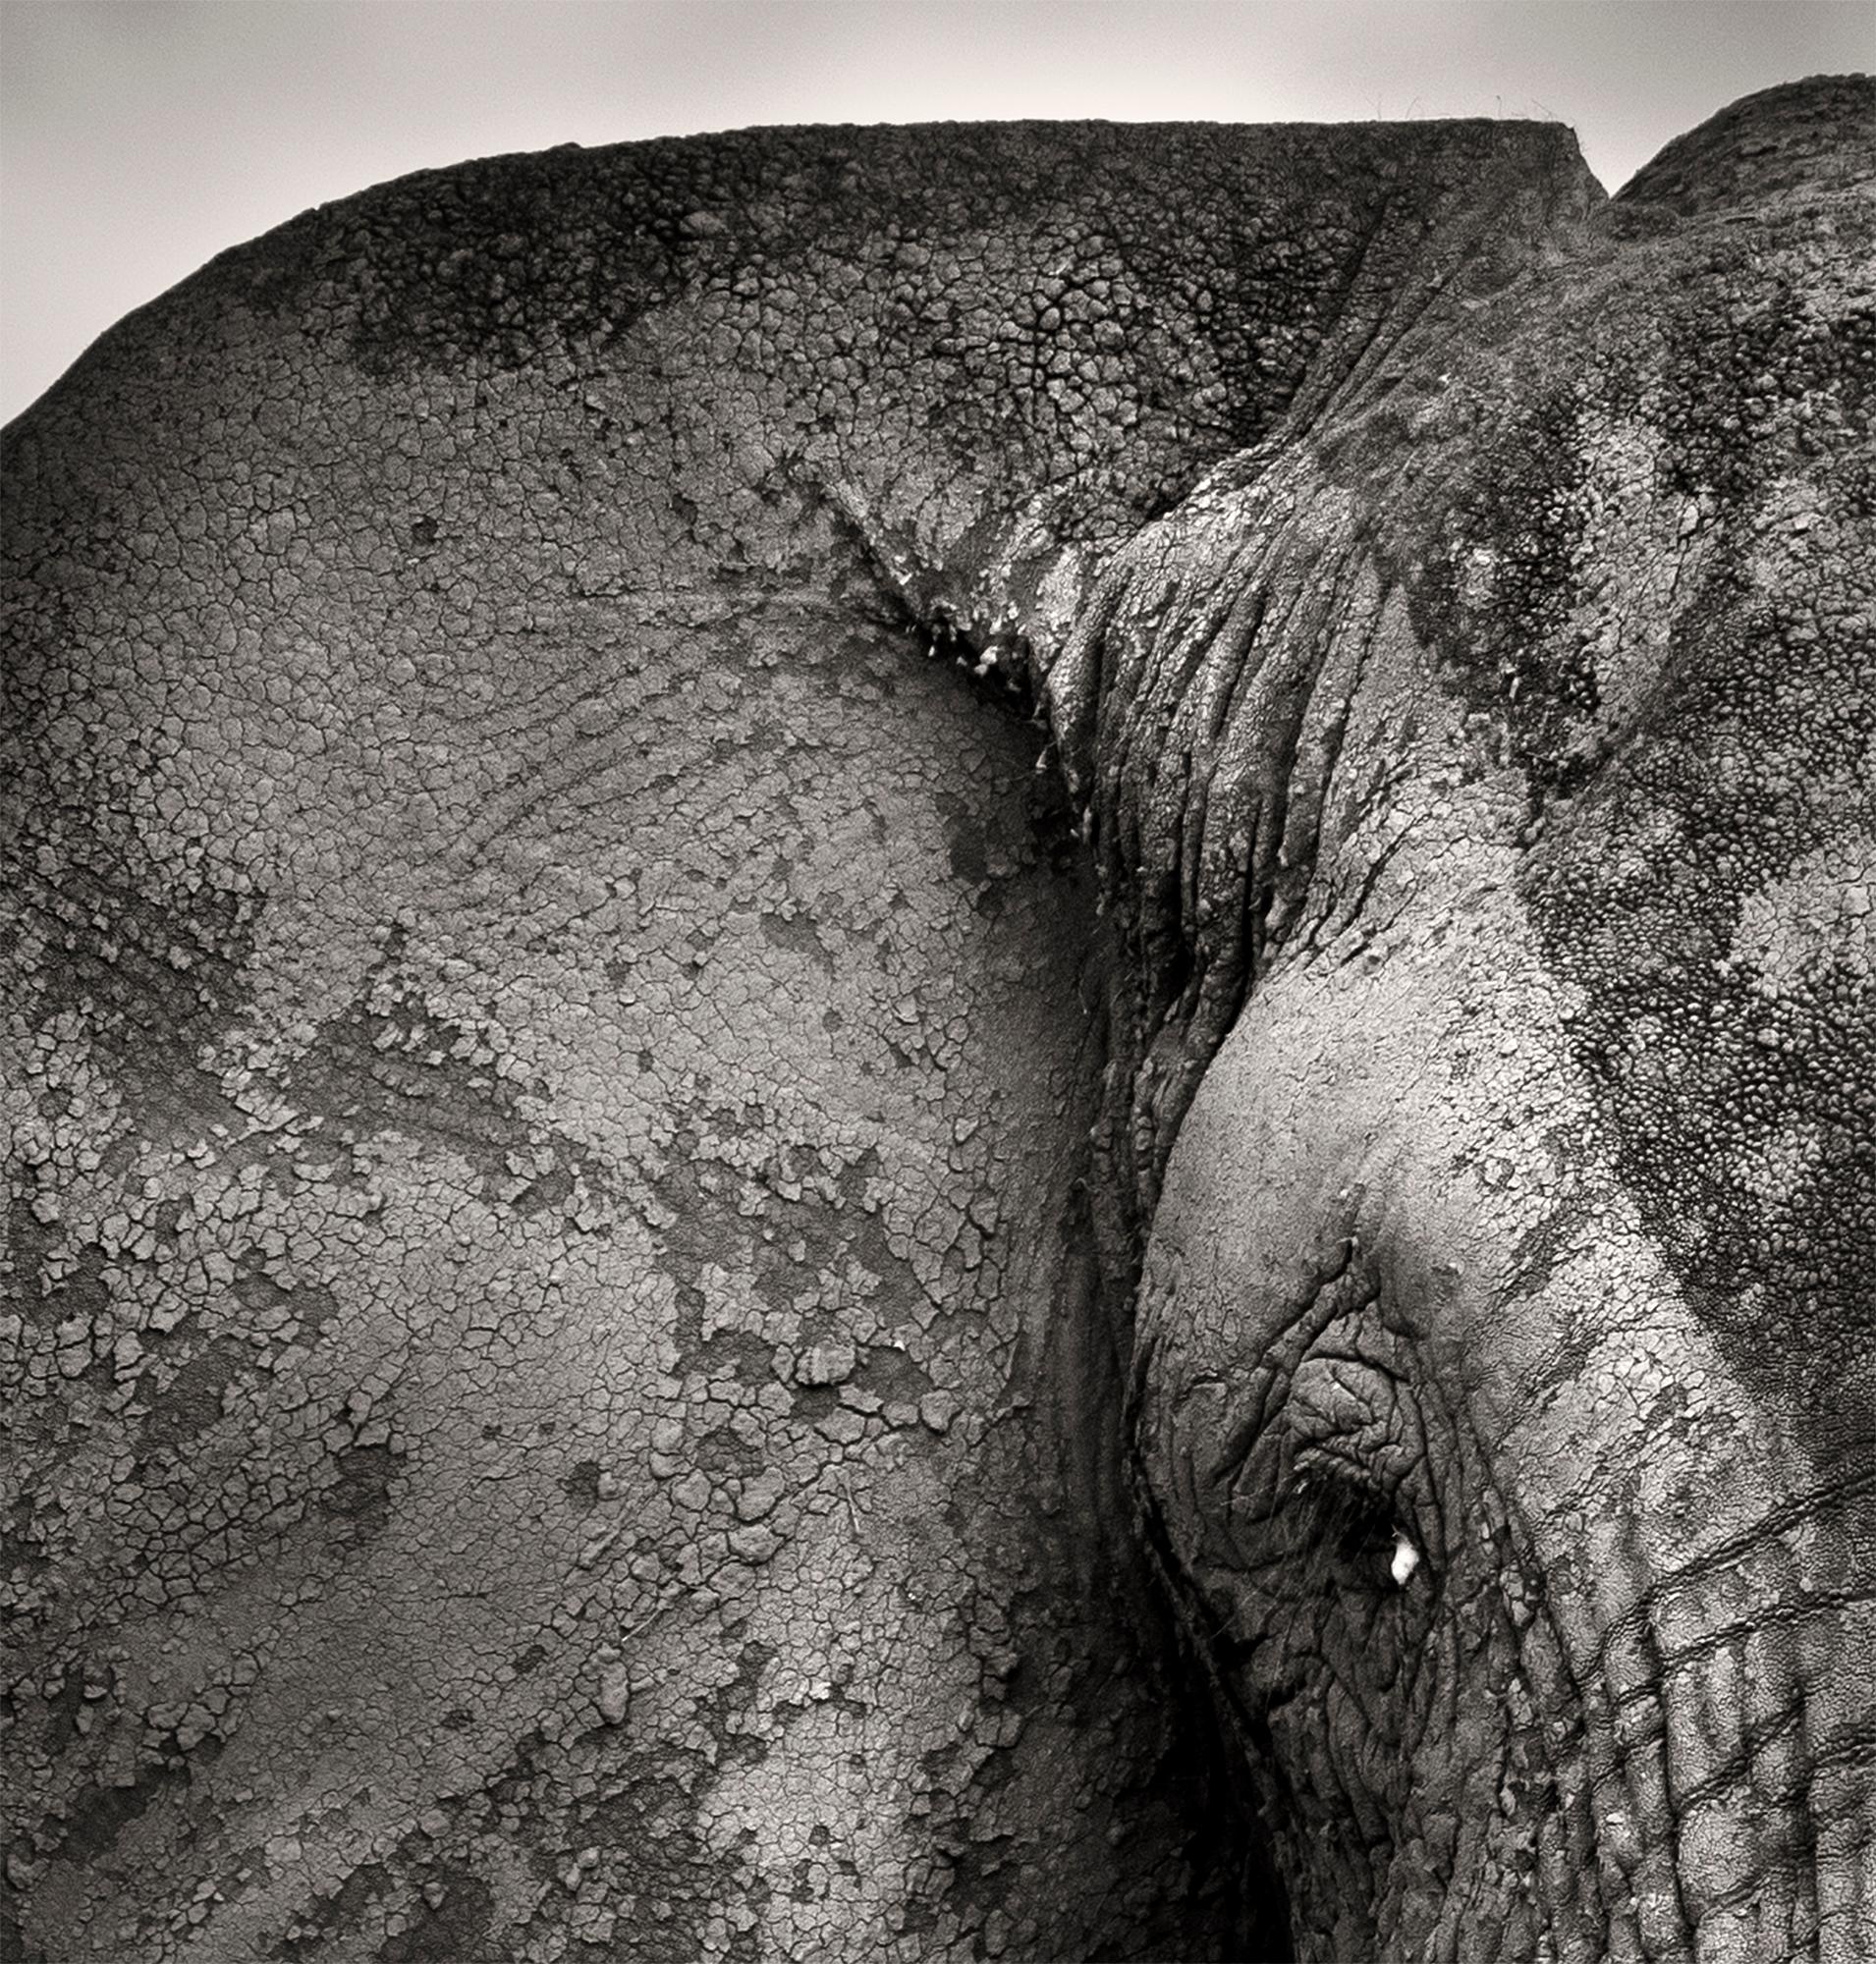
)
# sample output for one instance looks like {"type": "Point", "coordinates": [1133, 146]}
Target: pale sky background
{"type": "Point", "coordinates": [139, 137]}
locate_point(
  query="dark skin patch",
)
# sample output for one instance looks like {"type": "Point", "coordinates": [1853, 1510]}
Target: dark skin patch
{"type": "Point", "coordinates": [1701, 1073]}
{"type": "Point", "coordinates": [1741, 1104]}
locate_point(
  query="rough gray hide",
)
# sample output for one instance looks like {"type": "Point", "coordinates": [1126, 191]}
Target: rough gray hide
{"type": "Point", "coordinates": [1193, 1283]}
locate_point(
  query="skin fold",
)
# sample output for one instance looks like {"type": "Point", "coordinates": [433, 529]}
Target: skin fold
{"type": "Point", "coordinates": [953, 1042]}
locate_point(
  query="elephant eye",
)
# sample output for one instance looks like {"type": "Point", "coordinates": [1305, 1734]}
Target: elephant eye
{"type": "Point", "coordinates": [1354, 1531]}
{"type": "Point", "coordinates": [1406, 1558]}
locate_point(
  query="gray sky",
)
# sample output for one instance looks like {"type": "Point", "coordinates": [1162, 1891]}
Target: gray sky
{"type": "Point", "coordinates": [139, 137]}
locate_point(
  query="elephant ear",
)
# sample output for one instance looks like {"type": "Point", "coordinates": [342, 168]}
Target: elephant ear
{"type": "Point", "coordinates": [560, 1392]}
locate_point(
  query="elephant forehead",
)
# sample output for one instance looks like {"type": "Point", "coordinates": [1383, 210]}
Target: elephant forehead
{"type": "Point", "coordinates": [1650, 584]}
{"type": "Point", "coordinates": [1717, 930]}
{"type": "Point", "coordinates": [1704, 882]}
{"type": "Point", "coordinates": [1418, 1105]}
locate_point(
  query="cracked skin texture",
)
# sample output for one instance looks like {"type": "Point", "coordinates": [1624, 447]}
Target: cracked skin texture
{"type": "Point", "coordinates": [561, 1404]}
{"type": "Point", "coordinates": [550, 1067]}
{"type": "Point", "coordinates": [1483, 780]}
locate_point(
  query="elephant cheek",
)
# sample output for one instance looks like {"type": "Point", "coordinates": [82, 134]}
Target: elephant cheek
{"type": "Point", "coordinates": [1621, 1671]}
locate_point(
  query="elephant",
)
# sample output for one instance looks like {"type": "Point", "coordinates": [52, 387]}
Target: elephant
{"type": "Point", "coordinates": [956, 1042]}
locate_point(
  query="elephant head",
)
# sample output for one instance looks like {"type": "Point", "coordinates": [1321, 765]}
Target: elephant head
{"type": "Point", "coordinates": [1486, 774]}
{"type": "Point", "coordinates": [1190, 1282]}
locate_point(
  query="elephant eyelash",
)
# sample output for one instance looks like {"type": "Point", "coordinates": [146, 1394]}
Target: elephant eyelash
{"type": "Point", "coordinates": [1355, 1529]}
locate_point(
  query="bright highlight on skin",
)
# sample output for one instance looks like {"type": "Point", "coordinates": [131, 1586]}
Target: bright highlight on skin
{"type": "Point", "coordinates": [1406, 1558]}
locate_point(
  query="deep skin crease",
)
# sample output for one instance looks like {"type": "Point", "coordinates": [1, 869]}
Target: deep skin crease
{"type": "Point", "coordinates": [1189, 1283]}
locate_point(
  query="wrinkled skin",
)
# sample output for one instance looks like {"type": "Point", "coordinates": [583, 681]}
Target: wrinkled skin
{"type": "Point", "coordinates": [663, 1304]}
